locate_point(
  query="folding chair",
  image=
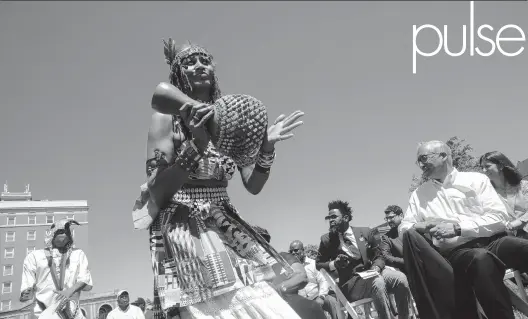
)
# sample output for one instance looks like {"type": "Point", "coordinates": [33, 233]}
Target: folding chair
{"type": "Point", "coordinates": [520, 302]}
{"type": "Point", "coordinates": [349, 306]}
{"type": "Point", "coordinates": [366, 302]}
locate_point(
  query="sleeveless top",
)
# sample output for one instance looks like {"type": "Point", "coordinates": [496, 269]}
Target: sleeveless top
{"type": "Point", "coordinates": [213, 165]}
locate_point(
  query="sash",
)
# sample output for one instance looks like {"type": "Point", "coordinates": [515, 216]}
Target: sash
{"type": "Point", "coordinates": [53, 270]}
{"type": "Point", "coordinates": [64, 310]}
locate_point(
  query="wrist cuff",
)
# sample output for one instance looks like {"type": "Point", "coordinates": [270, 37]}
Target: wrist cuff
{"type": "Point", "coordinates": [458, 229]}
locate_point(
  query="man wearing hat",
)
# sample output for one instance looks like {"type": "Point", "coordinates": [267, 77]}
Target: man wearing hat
{"type": "Point", "coordinates": [57, 273]}
{"type": "Point", "coordinates": [124, 309]}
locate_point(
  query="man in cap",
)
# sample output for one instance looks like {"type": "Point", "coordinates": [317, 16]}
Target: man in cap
{"type": "Point", "coordinates": [57, 273]}
{"type": "Point", "coordinates": [124, 309]}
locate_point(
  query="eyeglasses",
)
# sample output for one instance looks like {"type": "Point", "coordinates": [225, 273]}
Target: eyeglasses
{"type": "Point", "coordinates": [390, 217]}
{"type": "Point", "coordinates": [295, 250]}
{"type": "Point", "coordinates": [425, 157]}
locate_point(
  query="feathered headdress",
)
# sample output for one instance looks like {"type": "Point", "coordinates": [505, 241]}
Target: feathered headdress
{"type": "Point", "coordinates": [174, 57]}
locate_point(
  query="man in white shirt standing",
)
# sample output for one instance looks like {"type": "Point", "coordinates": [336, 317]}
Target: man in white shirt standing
{"type": "Point", "coordinates": [124, 309]}
{"type": "Point", "coordinates": [455, 244]}
{"type": "Point", "coordinates": [56, 274]}
{"type": "Point", "coordinates": [317, 288]}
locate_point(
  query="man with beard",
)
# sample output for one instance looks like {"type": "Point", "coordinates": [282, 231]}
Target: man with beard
{"type": "Point", "coordinates": [344, 249]}
{"type": "Point", "coordinates": [469, 251]}
{"type": "Point", "coordinates": [124, 309]}
{"type": "Point", "coordinates": [57, 273]}
{"type": "Point", "coordinates": [391, 247]}
{"type": "Point", "coordinates": [317, 288]}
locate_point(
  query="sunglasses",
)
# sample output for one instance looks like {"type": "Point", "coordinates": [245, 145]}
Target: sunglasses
{"type": "Point", "coordinates": [424, 158]}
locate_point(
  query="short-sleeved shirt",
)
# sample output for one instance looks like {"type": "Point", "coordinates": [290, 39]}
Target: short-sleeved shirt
{"type": "Point", "coordinates": [36, 273]}
{"type": "Point", "coordinates": [132, 312]}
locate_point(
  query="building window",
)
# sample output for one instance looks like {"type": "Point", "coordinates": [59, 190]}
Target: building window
{"type": "Point", "coordinates": [30, 249]}
{"type": "Point", "coordinates": [49, 219]}
{"type": "Point", "coordinates": [9, 252]}
{"type": "Point", "coordinates": [10, 236]}
{"type": "Point", "coordinates": [32, 219]}
{"type": "Point", "coordinates": [6, 287]}
{"type": "Point", "coordinates": [11, 220]}
{"type": "Point", "coordinates": [70, 216]}
{"type": "Point", "coordinates": [8, 270]}
{"type": "Point", "coordinates": [5, 305]}
{"type": "Point", "coordinates": [32, 235]}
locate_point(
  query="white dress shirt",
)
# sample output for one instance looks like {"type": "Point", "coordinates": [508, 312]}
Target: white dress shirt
{"type": "Point", "coordinates": [317, 285]}
{"type": "Point", "coordinates": [516, 202]}
{"type": "Point", "coordinates": [348, 234]}
{"type": "Point", "coordinates": [466, 198]}
{"type": "Point", "coordinates": [36, 273]}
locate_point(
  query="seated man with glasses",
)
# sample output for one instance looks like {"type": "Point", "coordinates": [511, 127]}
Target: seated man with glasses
{"type": "Point", "coordinates": [288, 286]}
{"type": "Point", "coordinates": [391, 246]}
{"type": "Point", "coordinates": [317, 288]}
{"type": "Point", "coordinates": [351, 251]}
{"type": "Point", "coordinates": [469, 251]}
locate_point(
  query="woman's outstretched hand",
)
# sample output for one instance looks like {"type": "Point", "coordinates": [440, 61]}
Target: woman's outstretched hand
{"type": "Point", "coordinates": [282, 129]}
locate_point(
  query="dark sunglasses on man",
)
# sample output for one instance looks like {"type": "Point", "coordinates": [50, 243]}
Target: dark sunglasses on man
{"type": "Point", "coordinates": [424, 158]}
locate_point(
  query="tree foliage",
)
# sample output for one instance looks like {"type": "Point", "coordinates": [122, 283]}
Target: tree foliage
{"type": "Point", "coordinates": [311, 251]}
{"type": "Point", "coordinates": [463, 160]}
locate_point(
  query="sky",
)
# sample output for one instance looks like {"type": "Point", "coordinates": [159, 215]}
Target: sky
{"type": "Point", "coordinates": [76, 79]}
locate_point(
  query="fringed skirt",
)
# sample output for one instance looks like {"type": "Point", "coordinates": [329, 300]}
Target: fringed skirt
{"type": "Point", "coordinates": [258, 301]}
{"type": "Point", "coordinates": [206, 266]}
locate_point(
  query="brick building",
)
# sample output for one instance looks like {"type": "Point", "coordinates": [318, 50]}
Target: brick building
{"type": "Point", "coordinates": [23, 225]}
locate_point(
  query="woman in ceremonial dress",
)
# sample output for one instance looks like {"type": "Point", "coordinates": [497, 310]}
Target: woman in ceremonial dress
{"type": "Point", "coordinates": [206, 263]}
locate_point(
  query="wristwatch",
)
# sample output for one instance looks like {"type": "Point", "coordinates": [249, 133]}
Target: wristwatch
{"type": "Point", "coordinates": [458, 230]}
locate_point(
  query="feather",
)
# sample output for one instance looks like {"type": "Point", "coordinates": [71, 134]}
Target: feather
{"type": "Point", "coordinates": [165, 48]}
{"type": "Point", "coordinates": [170, 51]}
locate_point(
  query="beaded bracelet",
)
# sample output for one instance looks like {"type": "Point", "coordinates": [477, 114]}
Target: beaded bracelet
{"type": "Point", "coordinates": [189, 157]}
{"type": "Point", "coordinates": [265, 160]}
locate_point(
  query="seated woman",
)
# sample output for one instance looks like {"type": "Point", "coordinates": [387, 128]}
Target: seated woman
{"type": "Point", "coordinates": [510, 186]}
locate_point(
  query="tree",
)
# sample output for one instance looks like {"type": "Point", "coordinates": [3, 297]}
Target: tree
{"type": "Point", "coordinates": [149, 303]}
{"type": "Point", "coordinates": [463, 160]}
